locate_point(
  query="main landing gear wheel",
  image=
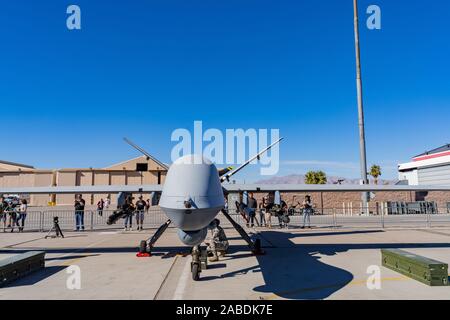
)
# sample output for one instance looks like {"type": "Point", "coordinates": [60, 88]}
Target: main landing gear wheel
{"type": "Point", "coordinates": [143, 246]}
{"type": "Point", "coordinates": [195, 271]}
{"type": "Point", "coordinates": [257, 247]}
{"type": "Point", "coordinates": [143, 251]}
{"type": "Point", "coordinates": [146, 246]}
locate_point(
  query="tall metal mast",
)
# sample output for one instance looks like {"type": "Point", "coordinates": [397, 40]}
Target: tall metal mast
{"type": "Point", "coordinates": [362, 138]}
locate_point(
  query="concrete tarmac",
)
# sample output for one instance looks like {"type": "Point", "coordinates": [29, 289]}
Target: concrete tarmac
{"type": "Point", "coordinates": [318, 263]}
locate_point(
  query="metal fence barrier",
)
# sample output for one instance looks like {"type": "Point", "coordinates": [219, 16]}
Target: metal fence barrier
{"type": "Point", "coordinates": [327, 218]}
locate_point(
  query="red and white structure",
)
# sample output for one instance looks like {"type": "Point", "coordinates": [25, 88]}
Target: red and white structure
{"type": "Point", "coordinates": [429, 168]}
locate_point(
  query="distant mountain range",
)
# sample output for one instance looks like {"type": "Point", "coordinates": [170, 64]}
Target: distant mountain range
{"type": "Point", "coordinates": [300, 179]}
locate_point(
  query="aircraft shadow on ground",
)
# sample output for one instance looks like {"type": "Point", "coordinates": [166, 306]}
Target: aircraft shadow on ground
{"type": "Point", "coordinates": [295, 271]}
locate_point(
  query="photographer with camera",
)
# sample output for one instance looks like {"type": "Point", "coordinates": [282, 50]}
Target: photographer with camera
{"type": "Point", "coordinates": [128, 208]}
{"type": "Point", "coordinates": [79, 213]}
{"type": "Point", "coordinates": [141, 206]}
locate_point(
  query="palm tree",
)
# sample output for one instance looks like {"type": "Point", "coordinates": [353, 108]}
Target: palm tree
{"type": "Point", "coordinates": [321, 177]}
{"type": "Point", "coordinates": [315, 177]}
{"type": "Point", "coordinates": [375, 172]}
{"type": "Point", "coordinates": [310, 177]}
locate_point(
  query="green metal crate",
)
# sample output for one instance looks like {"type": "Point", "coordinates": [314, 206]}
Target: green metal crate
{"type": "Point", "coordinates": [20, 265]}
{"type": "Point", "coordinates": [425, 270]}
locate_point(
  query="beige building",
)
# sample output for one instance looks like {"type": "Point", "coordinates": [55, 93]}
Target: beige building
{"type": "Point", "coordinates": [140, 170]}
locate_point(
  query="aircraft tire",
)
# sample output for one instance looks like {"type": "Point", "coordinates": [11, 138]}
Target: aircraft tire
{"type": "Point", "coordinates": [257, 245]}
{"type": "Point", "coordinates": [143, 246]}
{"type": "Point", "coordinates": [195, 272]}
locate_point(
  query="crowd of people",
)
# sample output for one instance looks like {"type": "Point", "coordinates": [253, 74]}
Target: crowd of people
{"type": "Point", "coordinates": [268, 209]}
{"type": "Point", "coordinates": [13, 213]}
{"type": "Point", "coordinates": [137, 209]}
{"type": "Point", "coordinates": [130, 208]}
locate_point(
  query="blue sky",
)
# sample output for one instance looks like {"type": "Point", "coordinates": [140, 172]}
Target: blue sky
{"type": "Point", "coordinates": [142, 69]}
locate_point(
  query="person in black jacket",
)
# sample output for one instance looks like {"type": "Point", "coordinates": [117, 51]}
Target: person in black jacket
{"type": "Point", "coordinates": [128, 208]}
{"type": "Point", "coordinates": [252, 205]}
{"type": "Point", "coordinates": [79, 213]}
{"type": "Point", "coordinates": [141, 206]}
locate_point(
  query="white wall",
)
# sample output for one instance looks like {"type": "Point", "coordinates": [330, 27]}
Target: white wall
{"type": "Point", "coordinates": [411, 176]}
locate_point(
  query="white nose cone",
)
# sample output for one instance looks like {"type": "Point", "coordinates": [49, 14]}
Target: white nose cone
{"type": "Point", "coordinates": [192, 179]}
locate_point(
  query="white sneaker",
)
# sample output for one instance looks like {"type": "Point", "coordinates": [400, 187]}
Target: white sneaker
{"type": "Point", "coordinates": [125, 229]}
{"type": "Point", "coordinates": [131, 228]}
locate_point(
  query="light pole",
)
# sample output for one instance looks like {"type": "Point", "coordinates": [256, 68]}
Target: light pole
{"type": "Point", "coordinates": [362, 138]}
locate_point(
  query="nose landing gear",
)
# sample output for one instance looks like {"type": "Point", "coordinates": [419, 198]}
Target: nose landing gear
{"type": "Point", "coordinates": [199, 262]}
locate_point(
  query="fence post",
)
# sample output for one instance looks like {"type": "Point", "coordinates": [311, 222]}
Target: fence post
{"type": "Point", "coordinates": [41, 219]}
{"type": "Point", "coordinates": [334, 218]}
{"type": "Point", "coordinates": [382, 218]}
{"type": "Point", "coordinates": [92, 220]}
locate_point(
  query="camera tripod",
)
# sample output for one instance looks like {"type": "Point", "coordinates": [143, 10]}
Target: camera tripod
{"type": "Point", "coordinates": [56, 229]}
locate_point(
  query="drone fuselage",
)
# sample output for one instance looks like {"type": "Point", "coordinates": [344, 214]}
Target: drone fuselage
{"type": "Point", "coordinates": [192, 197]}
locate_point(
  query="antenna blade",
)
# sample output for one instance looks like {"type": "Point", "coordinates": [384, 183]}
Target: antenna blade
{"type": "Point", "coordinates": [145, 153]}
{"type": "Point", "coordinates": [229, 174]}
